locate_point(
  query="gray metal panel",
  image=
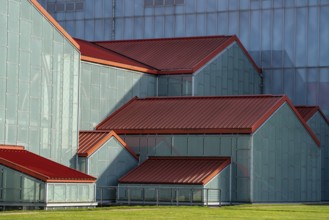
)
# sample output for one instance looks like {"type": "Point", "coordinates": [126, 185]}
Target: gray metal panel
{"type": "Point", "coordinates": [109, 163]}
{"type": "Point", "coordinates": [235, 146]}
{"type": "Point", "coordinates": [104, 89]}
{"type": "Point", "coordinates": [70, 192]}
{"type": "Point", "coordinates": [321, 129]}
{"type": "Point", "coordinates": [286, 161]}
{"type": "Point", "coordinates": [39, 84]}
{"type": "Point", "coordinates": [222, 181]}
{"type": "Point", "coordinates": [230, 73]}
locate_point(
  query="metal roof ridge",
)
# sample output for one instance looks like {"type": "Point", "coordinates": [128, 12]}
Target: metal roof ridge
{"type": "Point", "coordinates": [316, 108]}
{"type": "Point", "coordinates": [213, 97]}
{"type": "Point", "coordinates": [104, 140]}
{"type": "Point", "coordinates": [164, 39]}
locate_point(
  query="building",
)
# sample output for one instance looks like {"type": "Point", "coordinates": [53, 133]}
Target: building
{"type": "Point", "coordinates": [274, 154]}
{"type": "Point", "coordinates": [31, 181]}
{"type": "Point", "coordinates": [287, 39]}
{"type": "Point", "coordinates": [107, 157]}
{"type": "Point", "coordinates": [217, 65]}
{"type": "Point", "coordinates": [52, 86]}
{"type": "Point", "coordinates": [39, 75]}
{"type": "Point", "coordinates": [176, 180]}
{"type": "Point", "coordinates": [318, 122]}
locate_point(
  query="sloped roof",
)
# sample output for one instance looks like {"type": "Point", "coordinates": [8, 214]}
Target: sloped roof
{"type": "Point", "coordinates": [15, 157]}
{"type": "Point", "coordinates": [176, 170]}
{"type": "Point", "coordinates": [170, 55]}
{"type": "Point", "coordinates": [93, 53]}
{"type": "Point", "coordinates": [307, 112]}
{"type": "Point", "coordinates": [192, 115]}
{"type": "Point", "coordinates": [90, 141]}
{"type": "Point", "coordinates": [43, 11]}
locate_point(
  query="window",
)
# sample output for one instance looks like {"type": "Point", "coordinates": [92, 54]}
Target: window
{"type": "Point", "coordinates": [65, 6]}
{"type": "Point", "coordinates": [161, 3]}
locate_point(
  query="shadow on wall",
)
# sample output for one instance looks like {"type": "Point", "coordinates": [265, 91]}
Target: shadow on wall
{"type": "Point", "coordinates": [303, 85]}
{"type": "Point", "coordinates": [104, 89]}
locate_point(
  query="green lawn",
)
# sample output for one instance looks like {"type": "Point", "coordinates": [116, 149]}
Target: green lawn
{"type": "Point", "coordinates": [185, 213]}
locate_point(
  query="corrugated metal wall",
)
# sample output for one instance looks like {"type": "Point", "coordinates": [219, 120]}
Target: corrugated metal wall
{"type": "Point", "coordinates": [108, 164]}
{"type": "Point", "coordinates": [231, 73]}
{"type": "Point", "coordinates": [221, 181]}
{"type": "Point", "coordinates": [104, 89]}
{"type": "Point", "coordinates": [235, 146]}
{"type": "Point", "coordinates": [175, 85]}
{"type": "Point", "coordinates": [286, 165]}
{"type": "Point", "coordinates": [321, 130]}
{"type": "Point", "coordinates": [39, 75]}
{"type": "Point", "coordinates": [16, 187]}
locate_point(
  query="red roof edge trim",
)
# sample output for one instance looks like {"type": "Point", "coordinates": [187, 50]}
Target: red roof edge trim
{"type": "Point", "coordinates": [185, 131]}
{"type": "Point", "coordinates": [54, 22]}
{"type": "Point", "coordinates": [217, 171]}
{"type": "Point", "coordinates": [104, 140]}
{"type": "Point", "coordinates": [117, 111]}
{"type": "Point", "coordinates": [116, 64]}
{"type": "Point", "coordinates": [23, 170]}
{"type": "Point", "coordinates": [323, 115]}
{"type": "Point", "coordinates": [303, 121]}
{"type": "Point", "coordinates": [259, 70]}
{"type": "Point", "coordinates": [11, 147]}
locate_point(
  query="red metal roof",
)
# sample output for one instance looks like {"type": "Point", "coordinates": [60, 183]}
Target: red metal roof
{"type": "Point", "coordinates": [195, 115]}
{"type": "Point", "coordinates": [308, 111]}
{"type": "Point", "coordinates": [93, 53]}
{"type": "Point", "coordinates": [174, 55]}
{"type": "Point", "coordinates": [90, 141]}
{"type": "Point", "coordinates": [176, 170]}
{"type": "Point", "coordinates": [17, 158]}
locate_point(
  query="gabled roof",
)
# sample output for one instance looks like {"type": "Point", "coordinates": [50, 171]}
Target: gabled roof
{"type": "Point", "coordinates": [195, 115]}
{"type": "Point", "coordinates": [15, 157]}
{"type": "Point", "coordinates": [307, 112]}
{"type": "Point", "coordinates": [93, 53]}
{"type": "Point", "coordinates": [91, 141]}
{"type": "Point", "coordinates": [167, 55]}
{"type": "Point", "coordinates": [43, 11]}
{"type": "Point", "coordinates": [176, 170]}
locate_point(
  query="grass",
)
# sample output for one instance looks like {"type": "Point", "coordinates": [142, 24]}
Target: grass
{"type": "Point", "coordinates": [185, 213]}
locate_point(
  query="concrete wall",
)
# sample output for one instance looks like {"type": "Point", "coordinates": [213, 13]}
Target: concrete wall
{"type": "Point", "coordinates": [235, 146]}
{"type": "Point", "coordinates": [39, 75]}
{"type": "Point", "coordinates": [286, 165]}
{"type": "Point", "coordinates": [103, 89]}
{"type": "Point", "coordinates": [321, 129]}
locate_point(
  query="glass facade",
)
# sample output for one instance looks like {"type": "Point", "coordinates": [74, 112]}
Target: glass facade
{"type": "Point", "coordinates": [39, 75]}
{"type": "Point", "coordinates": [287, 38]}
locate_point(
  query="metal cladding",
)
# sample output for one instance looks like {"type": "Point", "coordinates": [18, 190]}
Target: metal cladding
{"type": "Point", "coordinates": [177, 170]}
{"type": "Point", "coordinates": [90, 141]}
{"type": "Point", "coordinates": [220, 114]}
{"type": "Point", "coordinates": [89, 49]}
{"type": "Point", "coordinates": [40, 167]}
{"type": "Point", "coordinates": [174, 55]}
